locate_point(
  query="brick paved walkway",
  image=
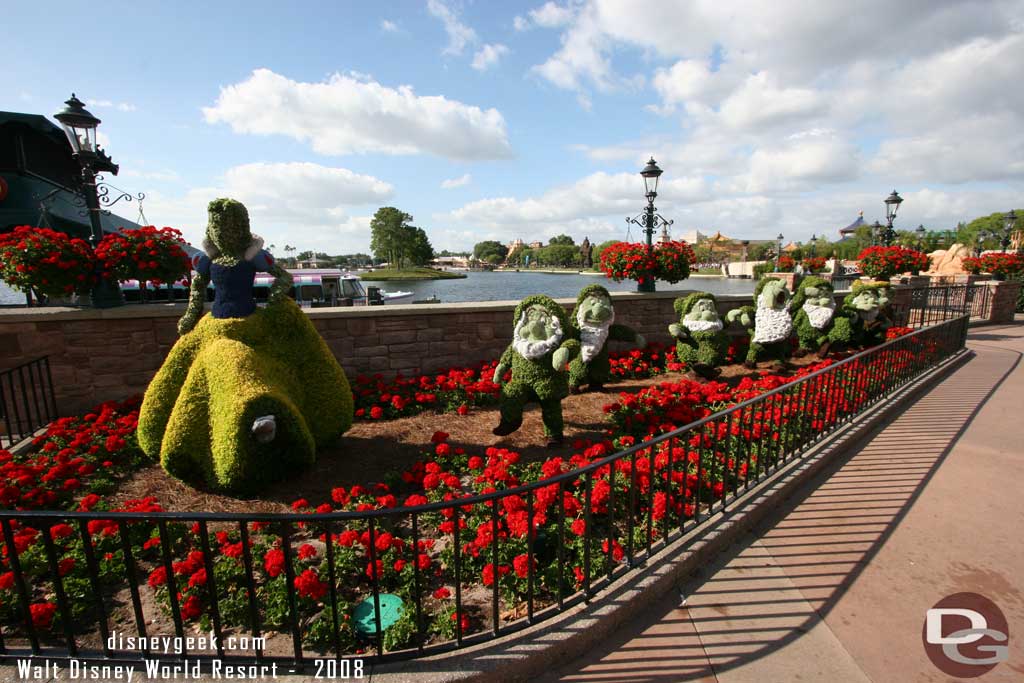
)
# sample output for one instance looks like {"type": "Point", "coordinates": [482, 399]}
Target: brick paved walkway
{"type": "Point", "coordinates": [834, 587]}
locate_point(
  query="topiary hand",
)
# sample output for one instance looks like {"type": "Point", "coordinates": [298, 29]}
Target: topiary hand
{"type": "Point", "coordinates": [499, 373]}
{"type": "Point", "coordinates": [676, 330]}
{"type": "Point", "coordinates": [560, 358]}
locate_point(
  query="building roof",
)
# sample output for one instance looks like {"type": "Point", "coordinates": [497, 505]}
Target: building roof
{"type": "Point", "coordinates": [852, 227]}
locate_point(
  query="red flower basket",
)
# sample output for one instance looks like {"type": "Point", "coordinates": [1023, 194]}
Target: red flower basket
{"type": "Point", "coordinates": [46, 261]}
{"type": "Point", "coordinates": [785, 264]}
{"type": "Point", "coordinates": [668, 261]}
{"type": "Point", "coordinates": [999, 264]}
{"type": "Point", "coordinates": [883, 263]}
{"type": "Point", "coordinates": [814, 264]}
{"type": "Point", "coordinates": [149, 253]}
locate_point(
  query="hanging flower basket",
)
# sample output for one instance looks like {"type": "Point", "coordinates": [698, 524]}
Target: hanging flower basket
{"type": "Point", "coordinates": [46, 262]}
{"type": "Point", "coordinates": [814, 264]}
{"type": "Point", "coordinates": [146, 254]}
{"type": "Point", "coordinates": [667, 261]}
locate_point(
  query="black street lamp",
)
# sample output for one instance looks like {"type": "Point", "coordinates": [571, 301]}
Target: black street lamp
{"type": "Point", "coordinates": [814, 244]}
{"type": "Point", "coordinates": [892, 205]}
{"type": "Point", "coordinates": [920, 233]}
{"type": "Point", "coordinates": [649, 221]}
{"type": "Point", "coordinates": [1009, 221]}
{"type": "Point", "coordinates": [878, 233]}
{"type": "Point", "coordinates": [778, 251]}
{"type": "Point", "coordinates": [80, 128]}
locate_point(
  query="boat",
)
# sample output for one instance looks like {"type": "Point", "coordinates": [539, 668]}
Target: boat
{"type": "Point", "coordinates": [311, 288]}
{"type": "Point", "coordinates": [432, 300]}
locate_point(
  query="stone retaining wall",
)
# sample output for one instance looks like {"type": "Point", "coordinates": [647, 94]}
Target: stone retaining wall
{"type": "Point", "coordinates": [102, 354]}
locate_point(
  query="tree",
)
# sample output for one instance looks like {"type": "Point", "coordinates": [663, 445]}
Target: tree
{"type": "Point", "coordinates": [417, 247]}
{"type": "Point", "coordinates": [759, 252]}
{"type": "Point", "coordinates": [304, 255]}
{"type": "Point", "coordinates": [490, 251]}
{"type": "Point", "coordinates": [561, 239]}
{"type": "Point", "coordinates": [389, 232]}
{"type": "Point", "coordinates": [560, 254]}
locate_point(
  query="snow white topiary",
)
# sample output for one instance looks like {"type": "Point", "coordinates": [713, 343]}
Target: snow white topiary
{"type": "Point", "coordinates": [702, 342]}
{"type": "Point", "coordinates": [769, 324]}
{"type": "Point", "coordinates": [593, 324]}
{"type": "Point", "coordinates": [537, 356]}
{"type": "Point", "coordinates": [815, 320]}
{"type": "Point", "coordinates": [246, 395]}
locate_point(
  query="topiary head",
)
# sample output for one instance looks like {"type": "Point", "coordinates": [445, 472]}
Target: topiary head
{"type": "Point", "coordinates": [867, 299]}
{"type": "Point", "coordinates": [815, 291]}
{"type": "Point", "coordinates": [227, 233]}
{"type": "Point", "coordinates": [539, 314]}
{"type": "Point", "coordinates": [697, 306]}
{"type": "Point", "coordinates": [593, 307]}
{"type": "Point", "coordinates": [771, 292]}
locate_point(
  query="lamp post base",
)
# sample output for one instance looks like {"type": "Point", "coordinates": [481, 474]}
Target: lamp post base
{"type": "Point", "coordinates": [106, 294]}
{"type": "Point", "coordinates": [645, 286]}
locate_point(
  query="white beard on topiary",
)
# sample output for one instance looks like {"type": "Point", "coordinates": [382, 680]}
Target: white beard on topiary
{"type": "Point", "coordinates": [532, 350]}
{"type": "Point", "coordinates": [868, 315]}
{"type": "Point", "coordinates": [771, 325]}
{"type": "Point", "coordinates": [703, 325]}
{"type": "Point", "coordinates": [592, 337]}
{"type": "Point", "coordinates": [819, 316]}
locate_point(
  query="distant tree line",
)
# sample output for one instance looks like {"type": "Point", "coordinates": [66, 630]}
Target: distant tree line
{"type": "Point", "coordinates": [394, 239]}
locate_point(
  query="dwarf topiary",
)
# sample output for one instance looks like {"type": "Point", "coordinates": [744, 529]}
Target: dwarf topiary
{"type": "Point", "coordinates": [867, 306]}
{"type": "Point", "coordinates": [769, 324]}
{"type": "Point", "coordinates": [815, 320]}
{"type": "Point", "coordinates": [246, 395]}
{"type": "Point", "coordinates": [702, 343]}
{"type": "Point", "coordinates": [593, 324]}
{"type": "Point", "coordinates": [537, 356]}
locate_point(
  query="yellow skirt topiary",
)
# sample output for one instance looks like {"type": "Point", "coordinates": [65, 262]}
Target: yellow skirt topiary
{"type": "Point", "coordinates": [199, 410]}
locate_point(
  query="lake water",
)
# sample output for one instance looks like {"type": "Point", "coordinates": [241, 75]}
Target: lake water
{"type": "Point", "coordinates": [506, 285]}
{"type": "Point", "coordinates": [503, 285]}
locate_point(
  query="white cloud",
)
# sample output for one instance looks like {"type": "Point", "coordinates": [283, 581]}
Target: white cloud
{"type": "Point", "coordinates": [760, 101]}
{"type": "Point", "coordinates": [520, 24]}
{"type": "Point", "coordinates": [389, 26]}
{"type": "Point", "coordinates": [804, 161]}
{"type": "Point", "coordinates": [299, 203]}
{"type": "Point", "coordinates": [346, 115]}
{"type": "Point", "coordinates": [551, 15]}
{"type": "Point", "coordinates": [488, 56]}
{"type": "Point", "coordinates": [459, 34]}
{"type": "Point", "coordinates": [452, 183]}
{"type": "Point", "coordinates": [107, 104]}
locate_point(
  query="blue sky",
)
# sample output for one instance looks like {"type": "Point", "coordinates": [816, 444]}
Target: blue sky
{"type": "Point", "coordinates": [503, 120]}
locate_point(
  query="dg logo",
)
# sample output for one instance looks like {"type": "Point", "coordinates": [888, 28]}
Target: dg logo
{"type": "Point", "coordinates": [966, 635]}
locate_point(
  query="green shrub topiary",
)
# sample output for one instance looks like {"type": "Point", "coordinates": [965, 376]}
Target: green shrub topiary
{"type": "Point", "coordinates": [199, 409]}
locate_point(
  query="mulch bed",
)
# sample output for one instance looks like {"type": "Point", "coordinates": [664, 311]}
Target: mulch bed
{"type": "Point", "coordinates": [368, 451]}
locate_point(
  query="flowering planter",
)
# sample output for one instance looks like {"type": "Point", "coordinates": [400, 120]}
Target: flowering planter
{"type": "Point", "coordinates": [789, 278]}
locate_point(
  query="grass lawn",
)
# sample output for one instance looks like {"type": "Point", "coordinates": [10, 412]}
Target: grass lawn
{"type": "Point", "coordinates": [410, 274]}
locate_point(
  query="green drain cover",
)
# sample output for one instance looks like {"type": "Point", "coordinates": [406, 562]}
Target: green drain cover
{"type": "Point", "coordinates": [390, 611]}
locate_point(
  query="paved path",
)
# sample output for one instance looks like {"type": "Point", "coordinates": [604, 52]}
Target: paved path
{"type": "Point", "coordinates": [834, 587]}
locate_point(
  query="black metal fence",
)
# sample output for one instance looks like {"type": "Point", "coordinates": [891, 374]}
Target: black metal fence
{"type": "Point", "coordinates": [26, 400]}
{"type": "Point", "coordinates": [578, 531]}
{"type": "Point", "coordinates": [929, 305]}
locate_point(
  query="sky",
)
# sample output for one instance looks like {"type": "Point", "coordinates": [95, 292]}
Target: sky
{"type": "Point", "coordinates": [487, 120]}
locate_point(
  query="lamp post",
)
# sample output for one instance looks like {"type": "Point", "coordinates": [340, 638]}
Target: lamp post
{"type": "Point", "coordinates": [814, 244]}
{"type": "Point", "coordinates": [1009, 221]}
{"type": "Point", "coordinates": [878, 232]}
{"type": "Point", "coordinates": [920, 233]}
{"type": "Point", "coordinates": [778, 251]}
{"type": "Point", "coordinates": [649, 220]}
{"type": "Point", "coordinates": [892, 205]}
{"type": "Point", "coordinates": [80, 128]}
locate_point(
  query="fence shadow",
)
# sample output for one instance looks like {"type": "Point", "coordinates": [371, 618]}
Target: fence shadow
{"type": "Point", "coordinates": [770, 590]}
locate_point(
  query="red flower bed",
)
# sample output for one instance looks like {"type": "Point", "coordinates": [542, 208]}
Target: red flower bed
{"type": "Point", "coordinates": [47, 261]}
{"type": "Point", "coordinates": [459, 389]}
{"type": "Point", "coordinates": [668, 261]}
{"type": "Point", "coordinates": [144, 254]}
{"type": "Point", "coordinates": [884, 262]}
{"type": "Point", "coordinates": [672, 480]}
